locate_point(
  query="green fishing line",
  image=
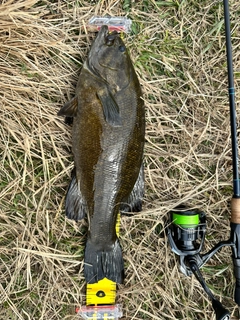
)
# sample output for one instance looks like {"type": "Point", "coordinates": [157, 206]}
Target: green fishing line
{"type": "Point", "coordinates": [186, 220]}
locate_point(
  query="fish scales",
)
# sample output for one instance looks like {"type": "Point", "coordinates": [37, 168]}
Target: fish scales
{"type": "Point", "coordinates": [107, 143]}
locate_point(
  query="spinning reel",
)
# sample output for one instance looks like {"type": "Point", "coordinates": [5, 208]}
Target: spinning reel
{"type": "Point", "coordinates": [186, 234]}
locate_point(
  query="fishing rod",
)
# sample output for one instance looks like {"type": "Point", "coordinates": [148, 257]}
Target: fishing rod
{"type": "Point", "coordinates": [235, 202]}
{"type": "Point", "coordinates": [187, 228]}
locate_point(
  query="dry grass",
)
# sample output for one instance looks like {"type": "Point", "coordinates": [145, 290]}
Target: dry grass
{"type": "Point", "coordinates": [179, 54]}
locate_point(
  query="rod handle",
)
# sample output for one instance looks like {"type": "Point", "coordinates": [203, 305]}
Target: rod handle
{"type": "Point", "coordinates": [235, 210]}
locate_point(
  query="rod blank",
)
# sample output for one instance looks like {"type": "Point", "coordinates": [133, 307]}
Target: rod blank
{"type": "Point", "coordinates": [231, 90]}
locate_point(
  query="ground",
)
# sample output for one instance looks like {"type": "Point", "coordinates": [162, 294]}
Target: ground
{"type": "Point", "coordinates": [178, 50]}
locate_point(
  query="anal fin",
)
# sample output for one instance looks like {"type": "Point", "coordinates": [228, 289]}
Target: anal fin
{"type": "Point", "coordinates": [75, 205]}
{"type": "Point", "coordinates": [134, 202]}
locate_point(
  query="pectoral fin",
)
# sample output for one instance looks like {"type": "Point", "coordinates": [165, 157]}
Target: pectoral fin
{"type": "Point", "coordinates": [70, 108]}
{"type": "Point", "coordinates": [110, 108]}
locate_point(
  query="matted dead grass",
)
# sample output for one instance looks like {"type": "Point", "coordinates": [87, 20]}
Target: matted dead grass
{"type": "Point", "coordinates": [179, 55]}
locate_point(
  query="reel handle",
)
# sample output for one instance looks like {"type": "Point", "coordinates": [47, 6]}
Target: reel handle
{"type": "Point", "coordinates": [220, 311]}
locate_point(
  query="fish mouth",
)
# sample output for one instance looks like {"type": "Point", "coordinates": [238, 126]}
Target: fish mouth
{"type": "Point", "coordinates": [110, 38]}
{"type": "Point", "coordinates": [107, 37]}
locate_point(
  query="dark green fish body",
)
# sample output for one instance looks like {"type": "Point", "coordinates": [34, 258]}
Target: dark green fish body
{"type": "Point", "coordinates": [108, 140]}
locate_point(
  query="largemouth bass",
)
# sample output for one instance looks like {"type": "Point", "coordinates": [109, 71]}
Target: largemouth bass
{"type": "Point", "coordinates": [107, 143]}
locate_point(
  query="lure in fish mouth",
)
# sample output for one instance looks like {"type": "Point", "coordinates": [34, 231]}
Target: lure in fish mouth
{"type": "Point", "coordinates": [107, 142]}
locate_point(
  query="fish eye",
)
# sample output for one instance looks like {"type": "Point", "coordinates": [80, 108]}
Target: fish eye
{"type": "Point", "coordinates": [122, 48]}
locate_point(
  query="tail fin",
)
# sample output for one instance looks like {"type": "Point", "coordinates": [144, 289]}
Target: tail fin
{"type": "Point", "coordinates": [103, 264]}
{"type": "Point", "coordinates": [75, 205]}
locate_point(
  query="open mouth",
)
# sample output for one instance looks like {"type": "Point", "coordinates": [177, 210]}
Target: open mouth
{"type": "Point", "coordinates": [110, 38]}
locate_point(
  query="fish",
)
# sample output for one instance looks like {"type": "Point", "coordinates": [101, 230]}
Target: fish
{"type": "Point", "coordinates": [108, 134]}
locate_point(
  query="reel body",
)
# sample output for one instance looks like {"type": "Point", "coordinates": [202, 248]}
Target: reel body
{"type": "Point", "coordinates": [186, 228]}
{"type": "Point", "coordinates": [186, 234]}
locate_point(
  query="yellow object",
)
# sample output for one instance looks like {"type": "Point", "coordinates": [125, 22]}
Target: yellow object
{"type": "Point", "coordinates": [104, 291]}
